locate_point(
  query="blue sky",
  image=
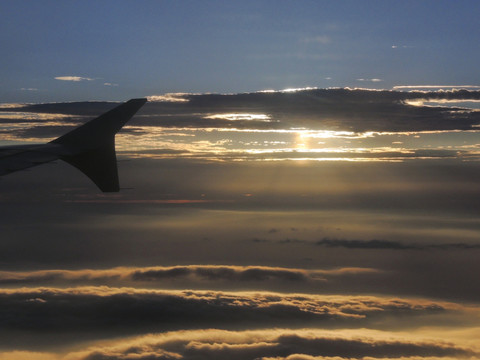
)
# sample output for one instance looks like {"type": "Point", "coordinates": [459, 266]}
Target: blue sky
{"type": "Point", "coordinates": [140, 48]}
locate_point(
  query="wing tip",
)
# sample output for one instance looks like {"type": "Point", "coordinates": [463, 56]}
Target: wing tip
{"type": "Point", "coordinates": [138, 100]}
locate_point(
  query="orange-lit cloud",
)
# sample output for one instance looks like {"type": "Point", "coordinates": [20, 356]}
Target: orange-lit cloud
{"type": "Point", "coordinates": [128, 276]}
{"type": "Point", "coordinates": [273, 344]}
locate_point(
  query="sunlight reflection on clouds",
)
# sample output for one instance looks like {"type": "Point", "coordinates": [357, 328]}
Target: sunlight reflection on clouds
{"type": "Point", "coordinates": [292, 124]}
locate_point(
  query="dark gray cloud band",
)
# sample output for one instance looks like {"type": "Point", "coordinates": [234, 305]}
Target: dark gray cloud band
{"type": "Point", "coordinates": [124, 310]}
{"type": "Point", "coordinates": [354, 110]}
{"type": "Point", "coordinates": [391, 245]}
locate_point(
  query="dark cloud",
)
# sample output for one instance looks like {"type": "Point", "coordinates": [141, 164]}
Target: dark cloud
{"type": "Point", "coordinates": [225, 273]}
{"type": "Point", "coordinates": [332, 109]}
{"type": "Point", "coordinates": [391, 245]}
{"type": "Point", "coordinates": [103, 312]}
{"type": "Point", "coordinates": [42, 131]}
{"type": "Point", "coordinates": [364, 244]}
{"type": "Point", "coordinates": [90, 108]}
{"type": "Point", "coordinates": [319, 109]}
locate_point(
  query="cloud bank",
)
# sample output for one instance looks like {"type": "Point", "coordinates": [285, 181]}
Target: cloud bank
{"type": "Point", "coordinates": [391, 245]}
{"type": "Point", "coordinates": [280, 346]}
{"type": "Point", "coordinates": [269, 344]}
{"type": "Point", "coordinates": [355, 110]}
{"type": "Point", "coordinates": [298, 124]}
{"type": "Point", "coordinates": [104, 312]}
{"type": "Point", "coordinates": [203, 273]}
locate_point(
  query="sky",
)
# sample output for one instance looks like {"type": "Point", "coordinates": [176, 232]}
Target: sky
{"type": "Point", "coordinates": [123, 49]}
{"type": "Point", "coordinates": [302, 183]}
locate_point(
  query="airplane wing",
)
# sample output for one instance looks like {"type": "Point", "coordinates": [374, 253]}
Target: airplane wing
{"type": "Point", "coordinates": [15, 158]}
{"type": "Point", "coordinates": [90, 148]}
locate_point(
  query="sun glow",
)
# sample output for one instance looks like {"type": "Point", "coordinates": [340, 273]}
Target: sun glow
{"type": "Point", "coordinates": [301, 141]}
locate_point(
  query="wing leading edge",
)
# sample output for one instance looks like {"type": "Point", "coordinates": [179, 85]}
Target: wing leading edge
{"type": "Point", "coordinates": [90, 148]}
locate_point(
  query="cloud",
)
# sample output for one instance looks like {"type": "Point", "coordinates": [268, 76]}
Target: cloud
{"type": "Point", "coordinates": [365, 244]}
{"type": "Point", "coordinates": [169, 97]}
{"type": "Point", "coordinates": [370, 80]}
{"type": "Point", "coordinates": [353, 110]}
{"type": "Point", "coordinates": [320, 39]}
{"type": "Point", "coordinates": [401, 46]}
{"type": "Point", "coordinates": [104, 311]}
{"type": "Point", "coordinates": [399, 278]}
{"type": "Point", "coordinates": [73, 78]}
{"type": "Point", "coordinates": [436, 87]}
{"type": "Point", "coordinates": [267, 344]}
{"type": "Point", "coordinates": [30, 355]}
{"type": "Point", "coordinates": [110, 84]}
{"type": "Point", "coordinates": [278, 344]}
{"type": "Point", "coordinates": [392, 245]}
{"type": "Point", "coordinates": [6, 106]}
{"type": "Point", "coordinates": [196, 273]}
{"type": "Point", "coordinates": [230, 273]}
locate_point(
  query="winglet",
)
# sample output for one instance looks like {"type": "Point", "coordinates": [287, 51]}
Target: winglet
{"type": "Point", "coordinates": [91, 147]}
{"type": "Point", "coordinates": [95, 132]}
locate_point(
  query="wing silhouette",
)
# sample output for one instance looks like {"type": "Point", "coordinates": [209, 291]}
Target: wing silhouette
{"type": "Point", "coordinates": [90, 148]}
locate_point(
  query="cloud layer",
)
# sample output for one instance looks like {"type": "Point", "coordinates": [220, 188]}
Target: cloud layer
{"type": "Point", "coordinates": [194, 273]}
{"type": "Point", "coordinates": [104, 311]}
{"type": "Point", "coordinates": [269, 344]}
{"type": "Point", "coordinates": [391, 245]}
{"type": "Point", "coordinates": [317, 124]}
{"type": "Point", "coordinates": [275, 344]}
{"type": "Point", "coordinates": [354, 110]}
{"type": "Point", "coordinates": [344, 245]}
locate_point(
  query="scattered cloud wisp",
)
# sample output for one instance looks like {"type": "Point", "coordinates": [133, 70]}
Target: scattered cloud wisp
{"type": "Point", "coordinates": [73, 78]}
